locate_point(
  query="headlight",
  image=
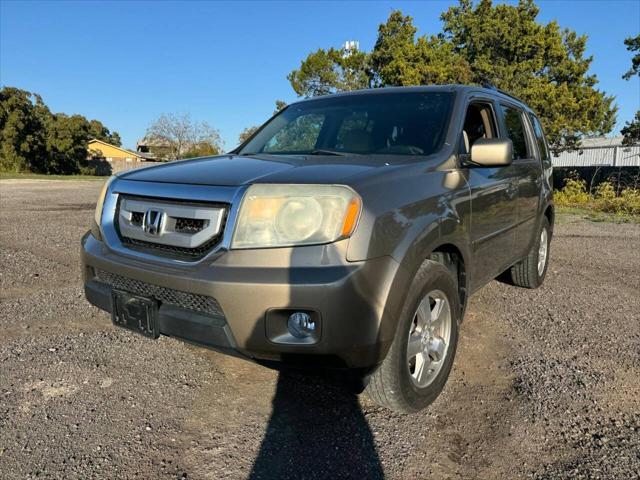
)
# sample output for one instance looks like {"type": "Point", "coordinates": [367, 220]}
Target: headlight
{"type": "Point", "coordinates": [287, 215]}
{"type": "Point", "coordinates": [98, 215]}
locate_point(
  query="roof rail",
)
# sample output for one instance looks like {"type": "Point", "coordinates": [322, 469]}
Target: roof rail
{"type": "Point", "coordinates": [490, 86]}
{"type": "Point", "coordinates": [509, 95]}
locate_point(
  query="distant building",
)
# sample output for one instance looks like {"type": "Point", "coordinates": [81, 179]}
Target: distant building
{"type": "Point", "coordinates": [100, 149]}
{"type": "Point", "coordinates": [600, 151]}
{"type": "Point", "coordinates": [115, 159]}
{"type": "Point", "coordinates": [153, 149]}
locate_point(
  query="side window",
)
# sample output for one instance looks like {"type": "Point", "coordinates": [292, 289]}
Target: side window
{"type": "Point", "coordinates": [542, 144]}
{"type": "Point", "coordinates": [515, 131]}
{"type": "Point", "coordinates": [299, 135]}
{"type": "Point", "coordinates": [479, 123]}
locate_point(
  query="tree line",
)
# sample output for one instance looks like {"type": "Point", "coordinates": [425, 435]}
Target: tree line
{"type": "Point", "coordinates": [34, 139]}
{"type": "Point", "coordinates": [503, 45]}
{"type": "Point", "coordinates": [481, 43]}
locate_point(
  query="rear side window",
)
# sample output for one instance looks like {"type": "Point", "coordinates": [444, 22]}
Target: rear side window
{"type": "Point", "coordinates": [542, 144]}
{"type": "Point", "coordinates": [515, 131]}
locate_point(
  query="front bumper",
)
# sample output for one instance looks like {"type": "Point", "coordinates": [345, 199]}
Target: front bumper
{"type": "Point", "coordinates": [357, 302]}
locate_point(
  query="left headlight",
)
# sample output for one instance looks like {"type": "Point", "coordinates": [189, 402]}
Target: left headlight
{"type": "Point", "coordinates": [274, 215]}
{"type": "Point", "coordinates": [100, 205]}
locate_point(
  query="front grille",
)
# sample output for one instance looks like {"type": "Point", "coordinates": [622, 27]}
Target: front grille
{"type": "Point", "coordinates": [182, 226]}
{"type": "Point", "coordinates": [136, 218]}
{"type": "Point", "coordinates": [171, 250]}
{"type": "Point", "coordinates": [189, 301]}
{"type": "Point", "coordinates": [189, 225]}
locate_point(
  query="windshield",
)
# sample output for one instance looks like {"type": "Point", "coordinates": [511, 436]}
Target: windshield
{"type": "Point", "coordinates": [407, 123]}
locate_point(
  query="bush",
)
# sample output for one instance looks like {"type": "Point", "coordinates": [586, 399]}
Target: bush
{"type": "Point", "coordinates": [575, 194]}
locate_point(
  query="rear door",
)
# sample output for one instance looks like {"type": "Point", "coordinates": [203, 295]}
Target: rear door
{"type": "Point", "coordinates": [527, 176]}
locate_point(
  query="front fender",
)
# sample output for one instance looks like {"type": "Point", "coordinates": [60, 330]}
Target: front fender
{"type": "Point", "coordinates": [408, 217]}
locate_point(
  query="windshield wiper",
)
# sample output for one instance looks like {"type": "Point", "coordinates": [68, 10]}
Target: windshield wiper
{"type": "Point", "coordinates": [319, 151]}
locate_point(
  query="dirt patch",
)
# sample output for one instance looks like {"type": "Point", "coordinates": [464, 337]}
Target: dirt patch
{"type": "Point", "coordinates": [545, 384]}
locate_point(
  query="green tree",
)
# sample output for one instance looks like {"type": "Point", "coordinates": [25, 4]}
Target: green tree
{"type": "Point", "coordinates": [633, 45]}
{"type": "Point", "coordinates": [98, 131]}
{"type": "Point", "coordinates": [67, 138]}
{"type": "Point", "coordinates": [280, 104]}
{"type": "Point", "coordinates": [631, 130]}
{"type": "Point", "coordinates": [480, 42]}
{"type": "Point", "coordinates": [33, 139]}
{"type": "Point", "coordinates": [399, 59]}
{"type": "Point", "coordinates": [330, 71]}
{"type": "Point", "coordinates": [203, 149]}
{"type": "Point", "coordinates": [246, 133]}
{"type": "Point", "coordinates": [22, 130]}
{"type": "Point", "coordinates": [541, 64]}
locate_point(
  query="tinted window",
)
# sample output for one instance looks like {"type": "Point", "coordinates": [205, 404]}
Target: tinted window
{"type": "Point", "coordinates": [515, 131]}
{"type": "Point", "coordinates": [542, 144]}
{"type": "Point", "coordinates": [408, 123]}
{"type": "Point", "coordinates": [479, 123]}
{"type": "Point", "coordinates": [357, 124]}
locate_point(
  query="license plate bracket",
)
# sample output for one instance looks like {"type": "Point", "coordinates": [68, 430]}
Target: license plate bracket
{"type": "Point", "coordinates": [134, 312]}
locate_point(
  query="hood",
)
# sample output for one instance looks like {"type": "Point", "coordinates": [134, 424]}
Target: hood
{"type": "Point", "coordinates": [233, 170]}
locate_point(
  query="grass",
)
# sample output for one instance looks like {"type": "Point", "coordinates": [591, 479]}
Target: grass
{"type": "Point", "coordinates": [604, 204]}
{"type": "Point", "coordinates": [566, 214]}
{"type": "Point", "coordinates": [39, 176]}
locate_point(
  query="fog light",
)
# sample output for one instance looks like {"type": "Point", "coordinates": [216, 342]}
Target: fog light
{"type": "Point", "coordinates": [300, 325]}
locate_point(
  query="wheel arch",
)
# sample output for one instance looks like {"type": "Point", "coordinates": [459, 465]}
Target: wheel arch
{"type": "Point", "coordinates": [451, 250]}
{"type": "Point", "coordinates": [550, 213]}
{"type": "Point", "coordinates": [449, 255]}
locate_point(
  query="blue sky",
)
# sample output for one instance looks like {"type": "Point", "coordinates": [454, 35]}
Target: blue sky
{"type": "Point", "coordinates": [125, 63]}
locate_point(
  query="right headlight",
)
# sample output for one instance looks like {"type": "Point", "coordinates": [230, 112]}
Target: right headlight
{"type": "Point", "coordinates": [273, 215]}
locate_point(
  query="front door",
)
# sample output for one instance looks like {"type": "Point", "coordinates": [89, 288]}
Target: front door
{"type": "Point", "coordinates": [493, 196]}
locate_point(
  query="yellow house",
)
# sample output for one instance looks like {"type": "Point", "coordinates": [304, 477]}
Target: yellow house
{"type": "Point", "coordinates": [100, 149]}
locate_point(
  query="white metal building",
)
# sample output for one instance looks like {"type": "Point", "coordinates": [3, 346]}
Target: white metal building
{"type": "Point", "coordinates": [603, 151]}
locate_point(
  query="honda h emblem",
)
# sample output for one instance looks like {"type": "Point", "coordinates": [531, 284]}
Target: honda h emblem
{"type": "Point", "coordinates": [152, 222]}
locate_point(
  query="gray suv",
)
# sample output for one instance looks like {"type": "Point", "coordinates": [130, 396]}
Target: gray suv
{"type": "Point", "coordinates": [347, 233]}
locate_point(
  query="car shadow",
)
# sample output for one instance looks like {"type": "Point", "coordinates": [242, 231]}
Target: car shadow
{"type": "Point", "coordinates": [317, 429]}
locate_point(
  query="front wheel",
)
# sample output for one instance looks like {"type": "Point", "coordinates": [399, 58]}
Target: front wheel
{"type": "Point", "coordinates": [421, 356]}
{"type": "Point", "coordinates": [530, 271]}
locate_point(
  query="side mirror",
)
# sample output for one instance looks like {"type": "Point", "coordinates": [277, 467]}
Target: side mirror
{"type": "Point", "coordinates": [492, 152]}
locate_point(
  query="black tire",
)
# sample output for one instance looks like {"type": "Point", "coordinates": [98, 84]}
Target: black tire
{"type": "Point", "coordinates": [391, 385]}
{"type": "Point", "coordinates": [525, 273]}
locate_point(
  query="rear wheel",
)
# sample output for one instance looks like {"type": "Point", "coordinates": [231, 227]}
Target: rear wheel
{"type": "Point", "coordinates": [419, 361]}
{"type": "Point", "coordinates": [530, 272]}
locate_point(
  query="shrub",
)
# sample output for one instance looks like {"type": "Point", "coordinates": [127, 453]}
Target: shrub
{"type": "Point", "coordinates": [631, 200]}
{"type": "Point", "coordinates": [574, 193]}
{"type": "Point", "coordinates": [604, 199]}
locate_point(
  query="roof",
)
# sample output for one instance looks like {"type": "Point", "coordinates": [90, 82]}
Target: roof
{"type": "Point", "coordinates": [128, 153]}
{"type": "Point", "coordinates": [147, 141]}
{"type": "Point", "coordinates": [146, 156]}
{"type": "Point", "coordinates": [422, 88]}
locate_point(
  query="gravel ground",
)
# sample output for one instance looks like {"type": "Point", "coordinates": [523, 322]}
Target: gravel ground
{"type": "Point", "coordinates": [546, 383]}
